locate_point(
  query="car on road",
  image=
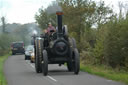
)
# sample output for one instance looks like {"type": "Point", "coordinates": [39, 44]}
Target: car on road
{"type": "Point", "coordinates": [17, 47]}
{"type": "Point", "coordinates": [28, 51]}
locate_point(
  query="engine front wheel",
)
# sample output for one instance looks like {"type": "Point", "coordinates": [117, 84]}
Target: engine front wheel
{"type": "Point", "coordinates": [69, 66]}
{"type": "Point", "coordinates": [69, 62]}
{"type": "Point", "coordinates": [76, 61]}
{"type": "Point", "coordinates": [45, 63]}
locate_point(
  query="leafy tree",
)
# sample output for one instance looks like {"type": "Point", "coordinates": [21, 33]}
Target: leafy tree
{"type": "Point", "coordinates": [116, 43]}
{"type": "Point", "coordinates": [82, 15]}
{"type": "Point", "coordinates": [100, 34]}
{"type": "Point", "coordinates": [74, 11]}
{"type": "Point", "coordinates": [5, 42]}
{"type": "Point", "coordinates": [42, 19]}
{"type": "Point", "coordinates": [47, 15]}
{"type": "Point", "coordinates": [98, 50]}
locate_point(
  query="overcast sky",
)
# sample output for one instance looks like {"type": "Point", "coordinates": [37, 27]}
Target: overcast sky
{"type": "Point", "coordinates": [23, 11]}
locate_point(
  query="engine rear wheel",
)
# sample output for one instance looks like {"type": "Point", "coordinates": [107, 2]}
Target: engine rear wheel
{"type": "Point", "coordinates": [76, 61]}
{"type": "Point", "coordinates": [71, 58]}
{"type": "Point", "coordinates": [74, 43]}
{"type": "Point", "coordinates": [38, 57]}
{"type": "Point", "coordinates": [45, 63]}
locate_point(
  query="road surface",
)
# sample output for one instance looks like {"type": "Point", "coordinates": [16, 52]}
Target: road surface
{"type": "Point", "coordinates": [21, 72]}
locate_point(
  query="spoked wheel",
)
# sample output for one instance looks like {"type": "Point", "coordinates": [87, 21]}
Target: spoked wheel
{"type": "Point", "coordinates": [45, 63]}
{"type": "Point", "coordinates": [76, 61]}
{"type": "Point", "coordinates": [38, 57]}
{"type": "Point", "coordinates": [69, 62]}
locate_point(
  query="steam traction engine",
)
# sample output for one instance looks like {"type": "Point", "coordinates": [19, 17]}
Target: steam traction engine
{"type": "Point", "coordinates": [56, 48]}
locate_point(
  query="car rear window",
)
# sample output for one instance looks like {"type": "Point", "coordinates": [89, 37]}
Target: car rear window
{"type": "Point", "coordinates": [18, 45]}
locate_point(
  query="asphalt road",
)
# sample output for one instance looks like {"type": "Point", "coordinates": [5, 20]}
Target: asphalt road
{"type": "Point", "coordinates": [21, 72]}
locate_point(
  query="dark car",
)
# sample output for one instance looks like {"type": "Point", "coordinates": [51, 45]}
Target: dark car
{"type": "Point", "coordinates": [17, 47]}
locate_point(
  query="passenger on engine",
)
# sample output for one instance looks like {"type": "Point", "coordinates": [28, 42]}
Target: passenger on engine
{"type": "Point", "coordinates": [50, 28]}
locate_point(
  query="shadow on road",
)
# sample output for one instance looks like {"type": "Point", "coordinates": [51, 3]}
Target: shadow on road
{"type": "Point", "coordinates": [61, 73]}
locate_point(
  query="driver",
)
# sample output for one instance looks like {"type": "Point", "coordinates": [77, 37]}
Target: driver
{"type": "Point", "coordinates": [50, 27]}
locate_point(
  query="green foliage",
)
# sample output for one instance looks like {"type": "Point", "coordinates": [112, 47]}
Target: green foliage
{"type": "Point", "coordinates": [21, 33]}
{"type": "Point", "coordinates": [98, 50]}
{"type": "Point", "coordinates": [115, 45]}
{"type": "Point", "coordinates": [5, 41]}
{"type": "Point", "coordinates": [2, 77]}
{"type": "Point", "coordinates": [74, 11]}
{"type": "Point", "coordinates": [16, 32]}
{"type": "Point", "coordinates": [112, 45]}
{"type": "Point", "coordinates": [106, 72]}
{"type": "Point", "coordinates": [42, 19]}
{"type": "Point", "coordinates": [45, 16]}
{"type": "Point", "coordinates": [87, 57]}
{"type": "Point", "coordinates": [101, 36]}
{"type": "Point", "coordinates": [81, 16]}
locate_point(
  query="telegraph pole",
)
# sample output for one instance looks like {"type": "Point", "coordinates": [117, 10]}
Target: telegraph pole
{"type": "Point", "coordinates": [3, 18]}
{"type": "Point", "coordinates": [3, 24]}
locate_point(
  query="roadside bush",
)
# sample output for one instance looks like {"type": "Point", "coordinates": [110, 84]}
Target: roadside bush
{"type": "Point", "coordinates": [5, 41]}
{"type": "Point", "coordinates": [86, 57]}
{"type": "Point", "coordinates": [116, 43]}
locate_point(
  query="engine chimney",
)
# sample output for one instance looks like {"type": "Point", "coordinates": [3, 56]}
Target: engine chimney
{"type": "Point", "coordinates": [59, 20]}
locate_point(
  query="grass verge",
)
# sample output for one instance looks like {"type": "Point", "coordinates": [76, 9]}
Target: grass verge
{"type": "Point", "coordinates": [106, 72]}
{"type": "Point", "coordinates": [2, 78]}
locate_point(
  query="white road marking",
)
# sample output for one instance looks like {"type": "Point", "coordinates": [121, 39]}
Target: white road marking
{"type": "Point", "coordinates": [52, 78]}
{"type": "Point", "coordinates": [27, 61]}
{"type": "Point", "coordinates": [47, 76]}
{"type": "Point", "coordinates": [32, 66]}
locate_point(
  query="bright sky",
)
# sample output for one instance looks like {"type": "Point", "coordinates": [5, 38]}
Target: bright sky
{"type": "Point", "coordinates": [23, 11]}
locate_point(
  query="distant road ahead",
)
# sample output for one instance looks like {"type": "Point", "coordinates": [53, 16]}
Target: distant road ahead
{"type": "Point", "coordinates": [21, 72]}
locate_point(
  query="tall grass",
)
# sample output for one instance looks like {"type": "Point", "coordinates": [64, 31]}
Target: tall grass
{"type": "Point", "coordinates": [2, 77]}
{"type": "Point", "coordinates": [106, 72]}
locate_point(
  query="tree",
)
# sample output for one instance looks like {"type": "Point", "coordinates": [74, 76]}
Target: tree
{"type": "Point", "coordinates": [47, 15]}
{"type": "Point", "coordinates": [81, 16]}
{"type": "Point", "coordinates": [42, 18]}
{"type": "Point", "coordinates": [98, 50]}
{"type": "Point", "coordinates": [116, 43]}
